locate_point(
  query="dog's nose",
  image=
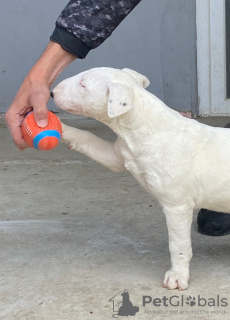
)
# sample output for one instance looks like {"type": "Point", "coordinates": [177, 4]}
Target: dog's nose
{"type": "Point", "coordinates": [51, 94]}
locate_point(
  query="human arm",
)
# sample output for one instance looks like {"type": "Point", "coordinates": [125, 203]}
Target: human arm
{"type": "Point", "coordinates": [85, 24]}
{"type": "Point", "coordinates": [82, 26]}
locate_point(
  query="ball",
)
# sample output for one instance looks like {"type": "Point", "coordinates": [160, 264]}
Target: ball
{"type": "Point", "coordinates": [42, 138]}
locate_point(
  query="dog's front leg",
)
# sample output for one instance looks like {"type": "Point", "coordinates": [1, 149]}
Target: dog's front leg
{"type": "Point", "coordinates": [179, 221]}
{"type": "Point", "coordinates": [97, 149]}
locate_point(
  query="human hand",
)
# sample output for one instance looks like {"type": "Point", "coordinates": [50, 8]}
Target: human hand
{"type": "Point", "coordinates": [31, 96]}
{"type": "Point", "coordinates": [34, 92]}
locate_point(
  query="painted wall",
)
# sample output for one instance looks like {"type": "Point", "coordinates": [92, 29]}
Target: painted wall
{"type": "Point", "coordinates": [156, 39]}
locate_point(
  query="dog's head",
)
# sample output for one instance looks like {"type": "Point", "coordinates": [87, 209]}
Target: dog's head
{"type": "Point", "coordinates": [100, 93]}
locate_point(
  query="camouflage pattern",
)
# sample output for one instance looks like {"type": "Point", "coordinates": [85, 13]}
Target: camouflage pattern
{"type": "Point", "coordinates": [93, 21]}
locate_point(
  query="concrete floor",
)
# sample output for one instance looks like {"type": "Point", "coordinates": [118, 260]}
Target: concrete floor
{"type": "Point", "coordinates": [73, 235]}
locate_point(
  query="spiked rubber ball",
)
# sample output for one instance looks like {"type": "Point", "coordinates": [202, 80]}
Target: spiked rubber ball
{"type": "Point", "coordinates": [42, 138]}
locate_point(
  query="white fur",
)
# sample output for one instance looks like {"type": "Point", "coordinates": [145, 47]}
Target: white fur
{"type": "Point", "coordinates": [182, 163]}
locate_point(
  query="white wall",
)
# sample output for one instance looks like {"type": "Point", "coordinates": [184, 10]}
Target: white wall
{"type": "Point", "coordinates": [156, 39]}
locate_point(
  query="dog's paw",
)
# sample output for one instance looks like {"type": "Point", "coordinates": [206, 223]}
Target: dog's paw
{"type": "Point", "coordinates": [65, 132]}
{"type": "Point", "coordinates": [174, 280]}
{"type": "Point", "coordinates": [67, 136]}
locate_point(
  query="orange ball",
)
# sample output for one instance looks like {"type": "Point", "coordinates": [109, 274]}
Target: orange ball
{"type": "Point", "coordinates": [42, 138]}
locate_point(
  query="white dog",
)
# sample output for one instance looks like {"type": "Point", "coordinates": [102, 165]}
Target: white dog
{"type": "Point", "coordinates": [182, 163]}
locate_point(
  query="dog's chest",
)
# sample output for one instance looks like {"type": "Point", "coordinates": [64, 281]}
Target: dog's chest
{"type": "Point", "coordinates": [141, 163]}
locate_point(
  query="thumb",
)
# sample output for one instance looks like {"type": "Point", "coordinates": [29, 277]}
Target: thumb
{"type": "Point", "coordinates": [38, 101]}
{"type": "Point", "coordinates": [41, 115]}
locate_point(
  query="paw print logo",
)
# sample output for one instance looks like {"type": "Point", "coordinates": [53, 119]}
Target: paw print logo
{"type": "Point", "coordinates": [191, 301]}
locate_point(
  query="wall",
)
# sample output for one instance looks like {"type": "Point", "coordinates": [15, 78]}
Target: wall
{"type": "Point", "coordinates": [156, 39]}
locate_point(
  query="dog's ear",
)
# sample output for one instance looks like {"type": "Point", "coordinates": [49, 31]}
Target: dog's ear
{"type": "Point", "coordinates": [140, 78]}
{"type": "Point", "coordinates": [120, 99]}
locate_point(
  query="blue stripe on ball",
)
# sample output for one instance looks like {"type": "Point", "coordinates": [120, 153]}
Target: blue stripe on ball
{"type": "Point", "coordinates": [43, 134]}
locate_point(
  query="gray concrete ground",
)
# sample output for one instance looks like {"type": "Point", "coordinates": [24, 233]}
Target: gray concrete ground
{"type": "Point", "coordinates": [73, 235]}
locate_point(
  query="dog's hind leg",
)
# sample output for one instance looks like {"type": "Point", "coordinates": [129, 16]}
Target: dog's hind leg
{"type": "Point", "coordinates": [179, 220]}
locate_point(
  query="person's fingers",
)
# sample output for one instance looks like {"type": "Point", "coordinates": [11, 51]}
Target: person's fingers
{"type": "Point", "coordinates": [28, 98]}
{"type": "Point", "coordinates": [13, 122]}
{"type": "Point", "coordinates": [41, 115]}
{"type": "Point", "coordinates": [39, 101]}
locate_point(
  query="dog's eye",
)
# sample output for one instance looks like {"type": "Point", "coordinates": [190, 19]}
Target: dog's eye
{"type": "Point", "coordinates": [81, 84]}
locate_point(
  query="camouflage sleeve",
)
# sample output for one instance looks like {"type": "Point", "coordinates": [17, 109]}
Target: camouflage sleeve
{"type": "Point", "coordinates": [85, 24]}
